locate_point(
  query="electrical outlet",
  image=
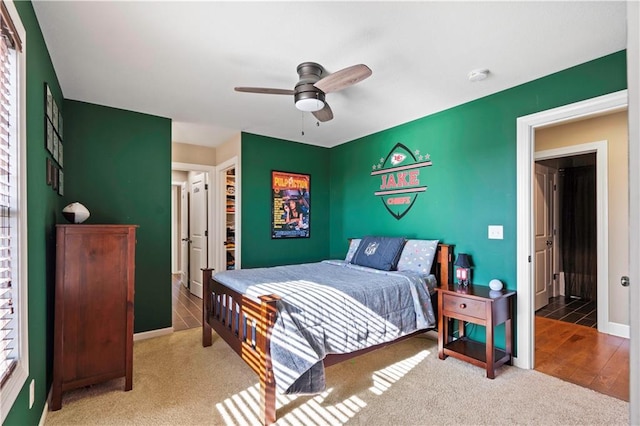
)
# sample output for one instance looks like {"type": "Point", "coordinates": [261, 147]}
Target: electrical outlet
{"type": "Point", "coordinates": [32, 392]}
{"type": "Point", "coordinates": [495, 232]}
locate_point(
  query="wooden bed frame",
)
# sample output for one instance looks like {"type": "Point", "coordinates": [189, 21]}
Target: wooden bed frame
{"type": "Point", "coordinates": [246, 326]}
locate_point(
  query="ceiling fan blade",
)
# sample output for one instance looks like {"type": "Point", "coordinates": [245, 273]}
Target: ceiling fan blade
{"type": "Point", "coordinates": [264, 90]}
{"type": "Point", "coordinates": [344, 78]}
{"type": "Point", "coordinates": [325, 114]}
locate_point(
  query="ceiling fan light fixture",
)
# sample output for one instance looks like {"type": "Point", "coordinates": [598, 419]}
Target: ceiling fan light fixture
{"type": "Point", "coordinates": [309, 105]}
{"type": "Point", "coordinates": [309, 99]}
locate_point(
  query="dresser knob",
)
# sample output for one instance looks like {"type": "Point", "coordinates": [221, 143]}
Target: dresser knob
{"type": "Point", "coordinates": [463, 305]}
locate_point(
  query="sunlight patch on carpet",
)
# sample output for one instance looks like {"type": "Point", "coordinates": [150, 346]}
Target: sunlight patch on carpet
{"type": "Point", "coordinates": [383, 379]}
{"type": "Point", "coordinates": [243, 407]}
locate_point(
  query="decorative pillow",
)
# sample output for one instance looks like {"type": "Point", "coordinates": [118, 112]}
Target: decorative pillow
{"type": "Point", "coordinates": [378, 252]}
{"type": "Point", "coordinates": [417, 256]}
{"type": "Point", "coordinates": [353, 246]}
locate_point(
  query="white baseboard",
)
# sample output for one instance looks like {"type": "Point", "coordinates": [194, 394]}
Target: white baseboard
{"type": "Point", "coordinates": [45, 410]}
{"type": "Point", "coordinates": [620, 330]}
{"type": "Point", "coordinates": [43, 418]}
{"type": "Point", "coordinates": [518, 362]}
{"type": "Point", "coordinates": [153, 333]}
{"type": "Point", "coordinates": [137, 336]}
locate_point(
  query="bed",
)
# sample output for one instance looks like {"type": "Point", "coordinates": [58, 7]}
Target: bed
{"type": "Point", "coordinates": [273, 318]}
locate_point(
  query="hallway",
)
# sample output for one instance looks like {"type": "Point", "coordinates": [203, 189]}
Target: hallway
{"type": "Point", "coordinates": [571, 310]}
{"type": "Point", "coordinates": [187, 308]}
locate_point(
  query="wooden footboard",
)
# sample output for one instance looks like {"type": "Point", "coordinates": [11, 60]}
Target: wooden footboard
{"type": "Point", "coordinates": [246, 327]}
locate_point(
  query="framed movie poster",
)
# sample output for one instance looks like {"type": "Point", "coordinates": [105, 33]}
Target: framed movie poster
{"type": "Point", "coordinates": [290, 207]}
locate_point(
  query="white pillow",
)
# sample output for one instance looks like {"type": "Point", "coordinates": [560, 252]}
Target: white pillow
{"type": "Point", "coordinates": [353, 247]}
{"type": "Point", "coordinates": [417, 256]}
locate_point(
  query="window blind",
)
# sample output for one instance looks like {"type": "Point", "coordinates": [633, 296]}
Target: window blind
{"type": "Point", "coordinates": [9, 43]}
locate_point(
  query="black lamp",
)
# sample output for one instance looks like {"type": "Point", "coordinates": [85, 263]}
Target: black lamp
{"type": "Point", "coordinates": [463, 272]}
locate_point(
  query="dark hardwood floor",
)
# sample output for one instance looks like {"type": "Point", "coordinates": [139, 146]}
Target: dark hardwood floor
{"type": "Point", "coordinates": [581, 355]}
{"type": "Point", "coordinates": [187, 308]}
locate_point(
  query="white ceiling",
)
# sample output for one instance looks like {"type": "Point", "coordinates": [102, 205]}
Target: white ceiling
{"type": "Point", "coordinates": [181, 60]}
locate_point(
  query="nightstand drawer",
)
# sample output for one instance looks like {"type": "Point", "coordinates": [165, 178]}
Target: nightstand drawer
{"type": "Point", "coordinates": [454, 304]}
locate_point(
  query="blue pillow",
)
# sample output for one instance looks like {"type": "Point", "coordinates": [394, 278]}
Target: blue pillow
{"type": "Point", "coordinates": [378, 252]}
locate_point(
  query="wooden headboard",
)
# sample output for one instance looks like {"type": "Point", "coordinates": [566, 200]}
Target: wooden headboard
{"type": "Point", "coordinates": [443, 266]}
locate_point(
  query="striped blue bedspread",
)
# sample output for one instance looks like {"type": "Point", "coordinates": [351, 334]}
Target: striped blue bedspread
{"type": "Point", "coordinates": [331, 307]}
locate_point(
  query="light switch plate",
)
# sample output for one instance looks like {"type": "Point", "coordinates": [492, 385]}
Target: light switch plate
{"type": "Point", "coordinates": [495, 232]}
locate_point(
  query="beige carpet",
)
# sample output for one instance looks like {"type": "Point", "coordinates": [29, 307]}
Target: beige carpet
{"type": "Point", "coordinates": [178, 382]}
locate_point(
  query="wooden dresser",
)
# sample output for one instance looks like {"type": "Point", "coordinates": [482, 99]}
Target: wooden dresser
{"type": "Point", "coordinates": [93, 328]}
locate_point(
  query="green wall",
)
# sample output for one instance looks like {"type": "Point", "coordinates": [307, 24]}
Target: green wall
{"type": "Point", "coordinates": [260, 155]}
{"type": "Point", "coordinates": [472, 182]}
{"type": "Point", "coordinates": [119, 166]}
{"type": "Point", "coordinates": [111, 153]}
{"type": "Point", "coordinates": [43, 206]}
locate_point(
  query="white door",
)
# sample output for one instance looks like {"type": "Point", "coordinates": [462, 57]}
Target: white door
{"type": "Point", "coordinates": [543, 217]}
{"type": "Point", "coordinates": [184, 235]}
{"type": "Point", "coordinates": [197, 231]}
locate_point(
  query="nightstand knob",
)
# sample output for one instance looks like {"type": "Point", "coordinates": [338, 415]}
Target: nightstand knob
{"type": "Point", "coordinates": [463, 305]}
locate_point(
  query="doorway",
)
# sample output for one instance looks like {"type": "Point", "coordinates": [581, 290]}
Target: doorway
{"type": "Point", "coordinates": [566, 228]}
{"type": "Point", "coordinates": [525, 263]}
{"type": "Point", "coordinates": [192, 238]}
{"type": "Point", "coordinates": [555, 346]}
{"type": "Point", "coordinates": [228, 257]}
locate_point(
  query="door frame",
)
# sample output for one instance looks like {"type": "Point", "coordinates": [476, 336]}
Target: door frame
{"type": "Point", "coordinates": [221, 199]}
{"type": "Point", "coordinates": [175, 237]}
{"type": "Point", "coordinates": [211, 182]}
{"type": "Point", "coordinates": [525, 135]}
{"type": "Point", "coordinates": [602, 222]}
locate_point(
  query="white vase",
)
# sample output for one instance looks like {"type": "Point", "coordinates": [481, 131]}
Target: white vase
{"type": "Point", "coordinates": [75, 213]}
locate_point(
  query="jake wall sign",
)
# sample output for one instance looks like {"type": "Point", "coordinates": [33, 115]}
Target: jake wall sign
{"type": "Point", "coordinates": [399, 178]}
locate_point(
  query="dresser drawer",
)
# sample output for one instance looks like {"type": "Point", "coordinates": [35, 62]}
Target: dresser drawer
{"type": "Point", "coordinates": [454, 304]}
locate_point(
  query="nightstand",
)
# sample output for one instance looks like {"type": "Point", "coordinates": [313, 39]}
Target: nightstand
{"type": "Point", "coordinates": [478, 305]}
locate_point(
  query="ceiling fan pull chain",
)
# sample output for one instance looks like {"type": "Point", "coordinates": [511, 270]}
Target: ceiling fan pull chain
{"type": "Point", "coordinates": [302, 122]}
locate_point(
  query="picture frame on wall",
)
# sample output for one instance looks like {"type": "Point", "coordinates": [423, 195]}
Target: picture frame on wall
{"type": "Point", "coordinates": [54, 114]}
{"type": "Point", "coordinates": [54, 151]}
{"type": "Point", "coordinates": [48, 101]}
{"type": "Point", "coordinates": [60, 125]}
{"type": "Point", "coordinates": [290, 205]}
{"type": "Point", "coordinates": [49, 171]}
{"type": "Point", "coordinates": [54, 177]}
{"type": "Point", "coordinates": [60, 182]}
{"type": "Point", "coordinates": [49, 135]}
{"type": "Point", "coordinates": [60, 152]}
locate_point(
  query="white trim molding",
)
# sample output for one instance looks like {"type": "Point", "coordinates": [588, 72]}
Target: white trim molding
{"type": "Point", "coordinates": [20, 374]}
{"type": "Point", "coordinates": [525, 133]}
{"type": "Point", "coordinates": [633, 79]}
{"type": "Point", "coordinates": [233, 162]}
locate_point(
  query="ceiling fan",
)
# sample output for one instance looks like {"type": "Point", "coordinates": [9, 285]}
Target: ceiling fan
{"type": "Point", "coordinates": [309, 92]}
